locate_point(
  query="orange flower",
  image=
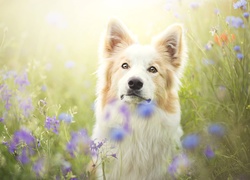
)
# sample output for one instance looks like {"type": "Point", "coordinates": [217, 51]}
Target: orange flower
{"type": "Point", "coordinates": [224, 38]}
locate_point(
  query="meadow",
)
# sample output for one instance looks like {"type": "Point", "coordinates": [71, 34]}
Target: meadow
{"type": "Point", "coordinates": [48, 59]}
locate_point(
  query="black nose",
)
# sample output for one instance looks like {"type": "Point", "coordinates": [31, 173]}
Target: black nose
{"type": "Point", "coordinates": [135, 83]}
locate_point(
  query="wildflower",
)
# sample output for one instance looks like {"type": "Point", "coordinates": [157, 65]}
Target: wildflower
{"type": "Point", "coordinates": [224, 38]}
{"type": "Point", "coordinates": [240, 56]}
{"type": "Point", "coordinates": [179, 165]}
{"type": "Point", "coordinates": [114, 155]}
{"type": "Point", "coordinates": [246, 15]}
{"type": "Point", "coordinates": [79, 141]}
{"type": "Point", "coordinates": [22, 81]}
{"type": "Point", "coordinates": [21, 136]}
{"type": "Point", "coordinates": [125, 111]}
{"type": "Point", "coordinates": [217, 11]}
{"type": "Point", "coordinates": [1, 119]}
{"type": "Point", "coordinates": [5, 95]}
{"type": "Point", "coordinates": [194, 5]}
{"type": "Point", "coordinates": [69, 64]}
{"type": "Point", "coordinates": [26, 106]}
{"type": "Point", "coordinates": [23, 157]}
{"type": "Point", "coordinates": [66, 168]}
{"type": "Point", "coordinates": [39, 167]}
{"type": "Point", "coordinates": [65, 117]}
{"type": "Point", "coordinates": [43, 88]}
{"type": "Point", "coordinates": [209, 153]}
{"type": "Point", "coordinates": [51, 123]}
{"type": "Point", "coordinates": [117, 134]}
{"type": "Point", "coordinates": [146, 109]}
{"type": "Point", "coordinates": [9, 74]}
{"type": "Point", "coordinates": [240, 4]}
{"type": "Point", "coordinates": [237, 48]}
{"type": "Point", "coordinates": [209, 45]}
{"type": "Point", "coordinates": [235, 22]}
{"type": "Point", "coordinates": [216, 129]}
{"type": "Point", "coordinates": [191, 141]}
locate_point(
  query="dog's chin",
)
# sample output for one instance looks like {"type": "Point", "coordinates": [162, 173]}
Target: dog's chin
{"type": "Point", "coordinates": [134, 99]}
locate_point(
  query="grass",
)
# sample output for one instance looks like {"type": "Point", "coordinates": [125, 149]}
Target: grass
{"type": "Point", "coordinates": [57, 47]}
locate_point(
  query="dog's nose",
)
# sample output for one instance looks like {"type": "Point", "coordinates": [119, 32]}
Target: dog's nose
{"type": "Point", "coordinates": [135, 84]}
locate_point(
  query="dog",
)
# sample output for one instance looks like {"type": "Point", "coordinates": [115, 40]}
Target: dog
{"type": "Point", "coordinates": [131, 74]}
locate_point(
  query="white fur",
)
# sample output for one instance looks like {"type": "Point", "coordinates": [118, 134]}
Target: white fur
{"type": "Point", "coordinates": [146, 151]}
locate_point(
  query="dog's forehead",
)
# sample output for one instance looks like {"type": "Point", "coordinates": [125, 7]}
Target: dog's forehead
{"type": "Point", "coordinates": [141, 54]}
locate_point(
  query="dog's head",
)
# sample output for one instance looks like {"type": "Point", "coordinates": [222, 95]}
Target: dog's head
{"type": "Point", "coordinates": [133, 72]}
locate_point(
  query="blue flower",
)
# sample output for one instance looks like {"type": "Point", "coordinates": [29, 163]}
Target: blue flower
{"type": "Point", "coordinates": [194, 5]}
{"type": "Point", "coordinates": [117, 134]}
{"type": "Point", "coordinates": [66, 168]}
{"type": "Point", "coordinates": [5, 95]}
{"type": "Point", "coordinates": [79, 141]}
{"type": "Point", "coordinates": [146, 109]}
{"type": "Point", "coordinates": [65, 117]}
{"type": "Point", "coordinates": [209, 153]}
{"type": "Point", "coordinates": [240, 4]}
{"type": "Point", "coordinates": [191, 141]}
{"type": "Point", "coordinates": [26, 106]}
{"type": "Point", "coordinates": [22, 81]}
{"type": "Point", "coordinates": [216, 129]}
{"type": "Point", "coordinates": [1, 119]}
{"type": "Point", "coordinates": [237, 48]}
{"type": "Point", "coordinates": [179, 164]}
{"type": "Point", "coordinates": [23, 157]}
{"type": "Point", "coordinates": [39, 167]}
{"type": "Point", "coordinates": [23, 136]}
{"type": "Point", "coordinates": [235, 22]}
{"type": "Point", "coordinates": [51, 123]}
{"type": "Point", "coordinates": [217, 11]}
{"type": "Point", "coordinates": [246, 15]}
{"type": "Point", "coordinates": [240, 56]}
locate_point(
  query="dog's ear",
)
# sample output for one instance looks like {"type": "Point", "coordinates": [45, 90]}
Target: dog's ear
{"type": "Point", "coordinates": [117, 37]}
{"type": "Point", "coordinates": [171, 45]}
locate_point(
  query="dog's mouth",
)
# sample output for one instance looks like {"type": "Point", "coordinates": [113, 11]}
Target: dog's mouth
{"type": "Point", "coordinates": [136, 95]}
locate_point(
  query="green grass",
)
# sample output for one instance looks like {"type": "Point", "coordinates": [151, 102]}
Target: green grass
{"type": "Point", "coordinates": [216, 84]}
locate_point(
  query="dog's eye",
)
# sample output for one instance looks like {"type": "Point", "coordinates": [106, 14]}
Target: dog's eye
{"type": "Point", "coordinates": [152, 69]}
{"type": "Point", "coordinates": [125, 66]}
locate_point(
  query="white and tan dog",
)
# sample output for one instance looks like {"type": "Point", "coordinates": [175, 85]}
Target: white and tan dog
{"type": "Point", "coordinates": [133, 73]}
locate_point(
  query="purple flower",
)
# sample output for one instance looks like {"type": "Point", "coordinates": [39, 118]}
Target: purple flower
{"type": "Point", "coordinates": [235, 22]}
{"type": "Point", "coordinates": [194, 5]}
{"type": "Point", "coordinates": [191, 141]}
{"type": "Point", "coordinates": [114, 155]}
{"type": "Point", "coordinates": [5, 95]}
{"type": "Point", "coordinates": [146, 109]}
{"type": "Point", "coordinates": [39, 167]}
{"type": "Point", "coordinates": [66, 168]}
{"type": "Point", "coordinates": [9, 74]}
{"type": "Point", "coordinates": [26, 106]}
{"type": "Point", "coordinates": [65, 117]}
{"type": "Point", "coordinates": [79, 141]}
{"type": "Point", "coordinates": [124, 110]}
{"type": "Point", "coordinates": [246, 15]}
{"type": "Point", "coordinates": [19, 137]}
{"type": "Point", "coordinates": [216, 129]}
{"type": "Point", "coordinates": [240, 56]}
{"type": "Point", "coordinates": [69, 64]}
{"type": "Point", "coordinates": [1, 119]}
{"type": "Point", "coordinates": [178, 165]}
{"type": "Point", "coordinates": [240, 4]}
{"type": "Point", "coordinates": [237, 48]}
{"type": "Point", "coordinates": [208, 46]}
{"type": "Point", "coordinates": [23, 157]}
{"type": "Point", "coordinates": [209, 153]}
{"type": "Point", "coordinates": [117, 134]}
{"type": "Point", "coordinates": [22, 81]}
{"type": "Point", "coordinates": [51, 123]}
{"type": "Point", "coordinates": [43, 88]}
{"type": "Point", "coordinates": [217, 11]}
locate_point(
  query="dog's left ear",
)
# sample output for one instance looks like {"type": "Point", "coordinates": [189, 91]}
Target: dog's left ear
{"type": "Point", "coordinates": [171, 46]}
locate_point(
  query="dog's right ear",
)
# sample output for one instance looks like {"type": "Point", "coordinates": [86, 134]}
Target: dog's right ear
{"type": "Point", "coordinates": [117, 37]}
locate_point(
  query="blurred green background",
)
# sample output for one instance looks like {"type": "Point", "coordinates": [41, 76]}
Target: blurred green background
{"type": "Point", "coordinates": [57, 41]}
